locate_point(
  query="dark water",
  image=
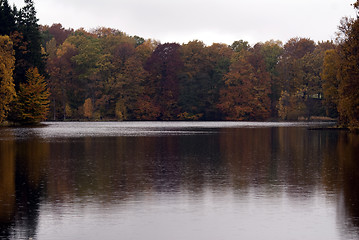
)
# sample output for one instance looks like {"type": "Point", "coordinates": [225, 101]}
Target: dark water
{"type": "Point", "coordinates": [178, 181]}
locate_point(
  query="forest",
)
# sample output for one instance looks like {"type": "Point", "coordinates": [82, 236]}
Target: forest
{"type": "Point", "coordinates": [57, 74]}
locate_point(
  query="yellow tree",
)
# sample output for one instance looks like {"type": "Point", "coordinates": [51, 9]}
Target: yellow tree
{"type": "Point", "coordinates": [7, 87]}
{"type": "Point", "coordinates": [330, 78]}
{"type": "Point", "coordinates": [88, 108]}
{"type": "Point", "coordinates": [33, 99]}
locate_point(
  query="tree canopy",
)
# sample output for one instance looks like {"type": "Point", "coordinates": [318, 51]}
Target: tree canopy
{"type": "Point", "coordinates": [105, 74]}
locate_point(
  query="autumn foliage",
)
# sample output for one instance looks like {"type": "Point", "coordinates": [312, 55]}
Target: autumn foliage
{"type": "Point", "coordinates": [32, 102]}
{"type": "Point", "coordinates": [348, 105]}
{"type": "Point", "coordinates": [7, 86]}
{"type": "Point", "coordinates": [105, 74]}
{"type": "Point", "coordinates": [247, 88]}
{"type": "Point", "coordinates": [22, 65]}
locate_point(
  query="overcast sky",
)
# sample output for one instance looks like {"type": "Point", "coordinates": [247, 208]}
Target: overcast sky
{"type": "Point", "coordinates": [219, 21]}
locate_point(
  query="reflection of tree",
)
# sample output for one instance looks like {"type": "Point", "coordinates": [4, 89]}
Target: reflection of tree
{"type": "Point", "coordinates": [31, 157]}
{"type": "Point", "coordinates": [331, 173]}
{"type": "Point", "coordinates": [348, 151]}
{"type": "Point", "coordinates": [113, 169]}
{"type": "Point", "coordinates": [22, 166]}
{"type": "Point", "coordinates": [300, 156]}
{"type": "Point", "coordinates": [248, 153]}
{"type": "Point", "coordinates": [292, 159]}
{"type": "Point", "coordinates": [7, 184]}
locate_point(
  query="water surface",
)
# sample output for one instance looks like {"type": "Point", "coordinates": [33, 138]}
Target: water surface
{"type": "Point", "coordinates": [178, 180]}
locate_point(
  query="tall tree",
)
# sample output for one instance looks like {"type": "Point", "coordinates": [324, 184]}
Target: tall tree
{"type": "Point", "coordinates": [272, 52]}
{"type": "Point", "coordinates": [7, 87]}
{"type": "Point", "coordinates": [84, 64]}
{"type": "Point", "coordinates": [293, 76]}
{"type": "Point", "coordinates": [62, 75]}
{"type": "Point", "coordinates": [7, 18]}
{"type": "Point", "coordinates": [245, 95]}
{"type": "Point", "coordinates": [349, 72]}
{"type": "Point", "coordinates": [27, 26]}
{"type": "Point", "coordinates": [164, 66]}
{"type": "Point", "coordinates": [220, 60]}
{"type": "Point", "coordinates": [331, 81]}
{"type": "Point", "coordinates": [194, 80]}
{"type": "Point", "coordinates": [145, 107]}
{"type": "Point", "coordinates": [32, 104]}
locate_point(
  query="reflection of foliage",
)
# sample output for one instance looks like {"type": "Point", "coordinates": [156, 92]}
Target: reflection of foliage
{"type": "Point", "coordinates": [348, 152]}
{"type": "Point", "coordinates": [273, 161]}
{"type": "Point", "coordinates": [7, 180]}
{"type": "Point", "coordinates": [23, 167]}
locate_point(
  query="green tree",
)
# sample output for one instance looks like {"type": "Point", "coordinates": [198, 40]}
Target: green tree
{"type": "Point", "coordinates": [240, 45]}
{"type": "Point", "coordinates": [220, 60]}
{"type": "Point", "coordinates": [84, 79]}
{"type": "Point", "coordinates": [32, 104]}
{"type": "Point", "coordinates": [272, 52]}
{"type": "Point", "coordinates": [7, 87]}
{"type": "Point", "coordinates": [194, 80]}
{"type": "Point", "coordinates": [114, 83]}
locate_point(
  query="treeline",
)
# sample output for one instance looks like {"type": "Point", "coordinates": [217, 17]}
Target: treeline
{"type": "Point", "coordinates": [104, 74]}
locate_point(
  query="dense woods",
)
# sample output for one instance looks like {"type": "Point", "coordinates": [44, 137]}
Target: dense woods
{"type": "Point", "coordinates": [104, 74]}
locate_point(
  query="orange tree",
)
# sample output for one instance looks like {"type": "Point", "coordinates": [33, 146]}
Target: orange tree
{"type": "Point", "coordinates": [7, 87]}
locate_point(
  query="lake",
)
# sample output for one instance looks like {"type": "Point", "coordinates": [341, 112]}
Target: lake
{"type": "Point", "coordinates": [179, 181]}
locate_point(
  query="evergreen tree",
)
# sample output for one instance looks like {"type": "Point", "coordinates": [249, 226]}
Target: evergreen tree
{"type": "Point", "coordinates": [30, 39]}
{"type": "Point", "coordinates": [7, 18]}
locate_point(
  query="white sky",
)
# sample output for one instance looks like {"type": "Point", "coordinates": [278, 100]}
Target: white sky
{"type": "Point", "coordinates": [220, 21]}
